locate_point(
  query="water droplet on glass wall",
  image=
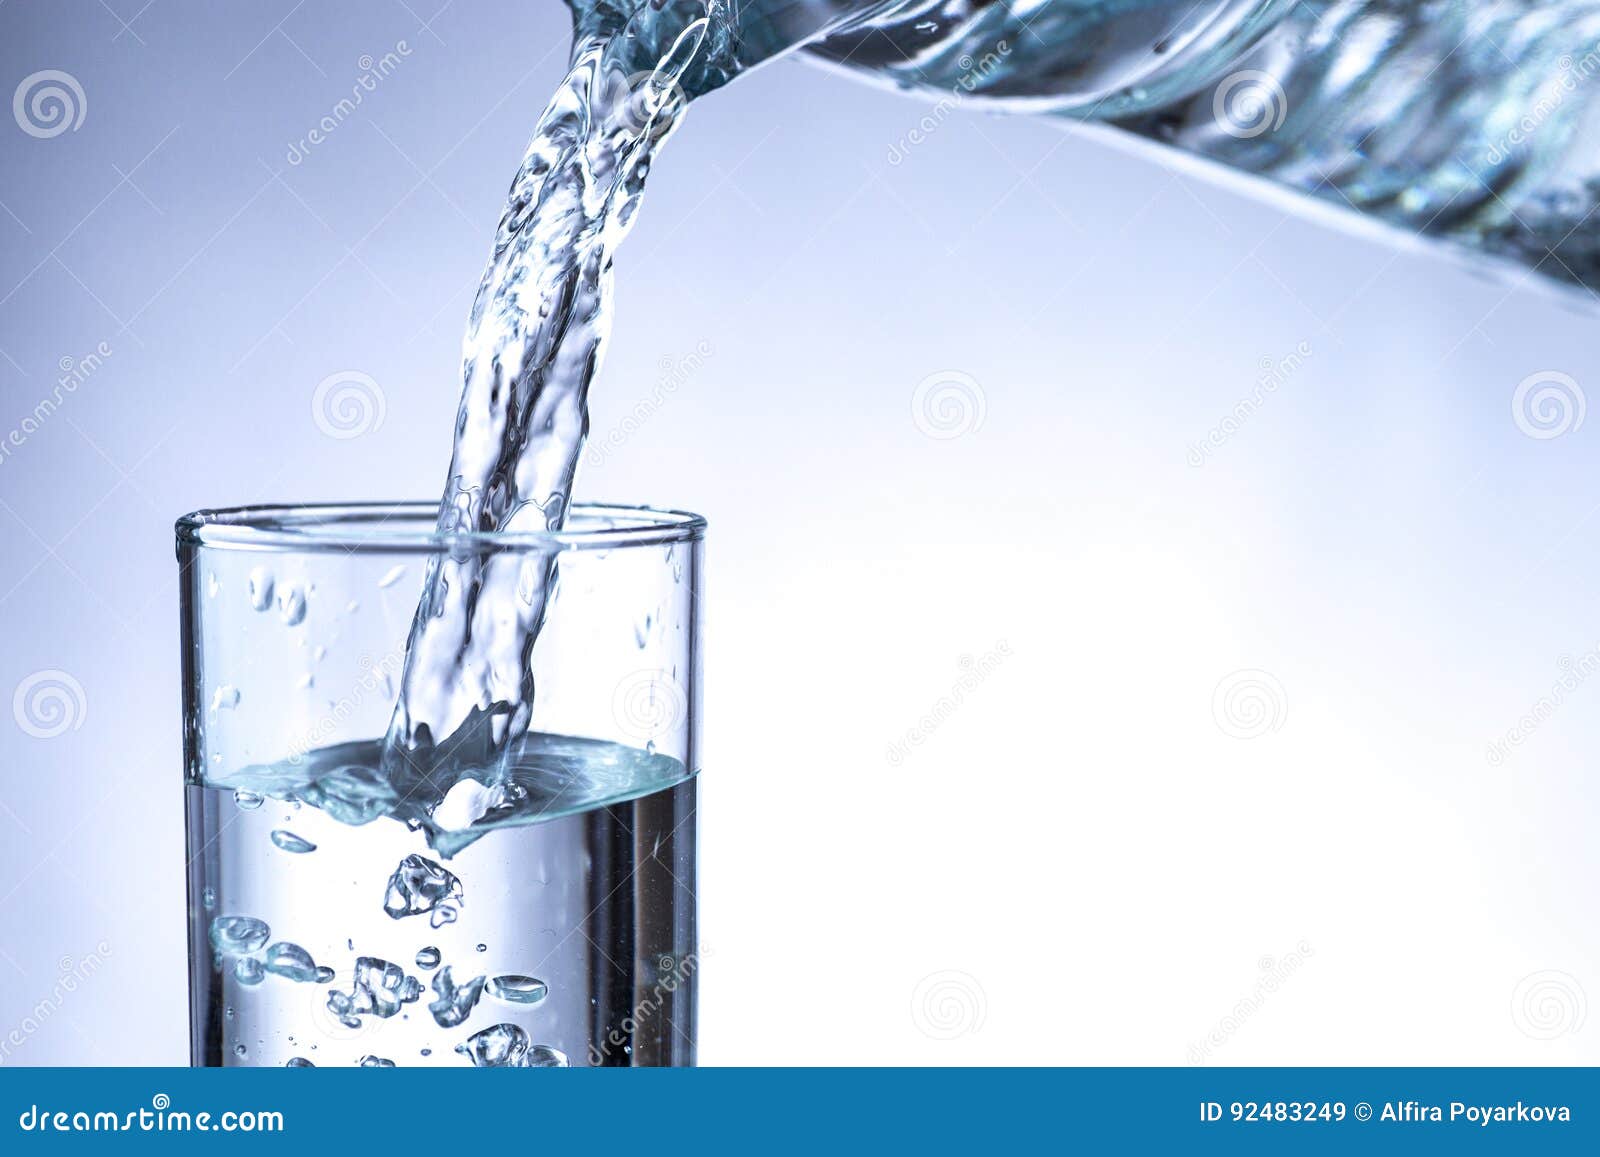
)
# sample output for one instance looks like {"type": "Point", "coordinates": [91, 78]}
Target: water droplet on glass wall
{"type": "Point", "coordinates": [261, 588]}
{"type": "Point", "coordinates": [292, 606]}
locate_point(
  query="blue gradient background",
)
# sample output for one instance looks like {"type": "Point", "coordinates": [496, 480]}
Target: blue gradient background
{"type": "Point", "coordinates": [1109, 872]}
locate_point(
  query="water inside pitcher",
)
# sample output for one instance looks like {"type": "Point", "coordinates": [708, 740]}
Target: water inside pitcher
{"type": "Point", "coordinates": [1477, 122]}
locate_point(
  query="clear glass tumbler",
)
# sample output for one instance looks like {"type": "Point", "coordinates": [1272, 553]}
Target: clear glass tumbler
{"type": "Point", "coordinates": [542, 913]}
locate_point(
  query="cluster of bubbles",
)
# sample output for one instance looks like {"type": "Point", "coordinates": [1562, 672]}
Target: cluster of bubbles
{"type": "Point", "coordinates": [381, 989]}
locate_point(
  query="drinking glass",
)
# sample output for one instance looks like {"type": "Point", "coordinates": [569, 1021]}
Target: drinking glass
{"type": "Point", "coordinates": [540, 911]}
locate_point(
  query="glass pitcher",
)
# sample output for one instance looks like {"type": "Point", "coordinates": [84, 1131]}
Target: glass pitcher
{"type": "Point", "coordinates": [1474, 121]}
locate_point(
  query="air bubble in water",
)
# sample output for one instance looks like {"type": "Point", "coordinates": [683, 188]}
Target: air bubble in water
{"type": "Point", "coordinates": [208, 897]}
{"type": "Point", "coordinates": [518, 989]}
{"type": "Point", "coordinates": [502, 1046]}
{"type": "Point", "coordinates": [240, 1050]}
{"type": "Point", "coordinates": [247, 801]}
{"type": "Point", "coordinates": [545, 1057]}
{"type": "Point", "coordinates": [455, 1001]}
{"type": "Point", "coordinates": [248, 970]}
{"type": "Point", "coordinates": [420, 885]}
{"type": "Point", "coordinates": [372, 1062]}
{"type": "Point", "coordinates": [290, 842]}
{"type": "Point", "coordinates": [428, 957]}
{"type": "Point", "coordinates": [379, 989]}
{"type": "Point", "coordinates": [239, 935]}
{"type": "Point", "coordinates": [298, 1063]}
{"type": "Point", "coordinates": [261, 588]}
{"type": "Point", "coordinates": [292, 961]}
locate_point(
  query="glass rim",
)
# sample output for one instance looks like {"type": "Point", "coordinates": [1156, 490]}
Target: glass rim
{"type": "Point", "coordinates": [391, 528]}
